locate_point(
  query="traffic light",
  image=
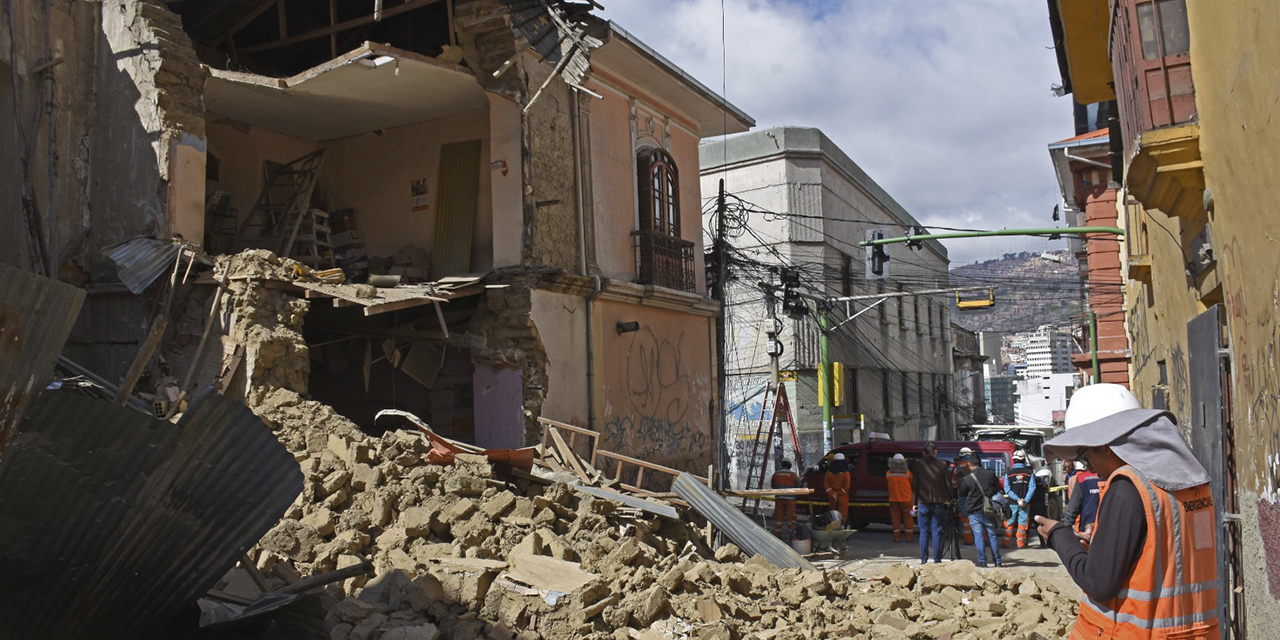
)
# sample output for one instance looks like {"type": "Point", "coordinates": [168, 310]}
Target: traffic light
{"type": "Point", "coordinates": [792, 304]}
{"type": "Point", "coordinates": [877, 258]}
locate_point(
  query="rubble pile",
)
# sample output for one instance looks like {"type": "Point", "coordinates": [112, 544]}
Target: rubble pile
{"type": "Point", "coordinates": [460, 553]}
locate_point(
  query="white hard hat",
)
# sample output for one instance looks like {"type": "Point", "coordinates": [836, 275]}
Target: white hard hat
{"type": "Point", "coordinates": [1019, 455]}
{"type": "Point", "coordinates": [964, 451]}
{"type": "Point", "coordinates": [839, 456]}
{"type": "Point", "coordinates": [1097, 401]}
{"type": "Point", "coordinates": [897, 457]}
{"type": "Point", "coordinates": [1044, 473]}
{"type": "Point", "coordinates": [1079, 466]}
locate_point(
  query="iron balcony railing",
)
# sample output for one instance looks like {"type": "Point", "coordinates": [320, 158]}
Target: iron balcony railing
{"type": "Point", "coordinates": [664, 260]}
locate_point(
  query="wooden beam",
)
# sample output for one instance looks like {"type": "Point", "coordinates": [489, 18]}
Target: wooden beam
{"type": "Point", "coordinates": [140, 362]}
{"type": "Point", "coordinates": [374, 310]}
{"type": "Point", "coordinates": [409, 5]}
{"type": "Point", "coordinates": [242, 23]}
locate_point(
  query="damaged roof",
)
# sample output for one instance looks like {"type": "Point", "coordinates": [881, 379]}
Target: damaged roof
{"type": "Point", "coordinates": [114, 521]}
{"type": "Point", "coordinates": [36, 316]}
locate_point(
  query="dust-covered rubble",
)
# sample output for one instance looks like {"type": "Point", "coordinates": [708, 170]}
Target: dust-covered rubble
{"type": "Point", "coordinates": [460, 553]}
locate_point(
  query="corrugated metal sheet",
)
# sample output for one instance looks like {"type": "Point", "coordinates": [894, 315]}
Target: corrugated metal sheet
{"type": "Point", "coordinates": [457, 191]}
{"type": "Point", "coordinates": [113, 521]}
{"type": "Point", "coordinates": [139, 261]}
{"type": "Point", "coordinates": [749, 536]}
{"type": "Point", "coordinates": [659, 508]}
{"type": "Point", "coordinates": [36, 316]}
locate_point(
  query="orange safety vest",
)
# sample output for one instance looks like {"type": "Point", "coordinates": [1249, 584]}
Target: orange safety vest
{"type": "Point", "coordinates": [899, 485]}
{"type": "Point", "coordinates": [784, 480]}
{"type": "Point", "coordinates": [1172, 592]}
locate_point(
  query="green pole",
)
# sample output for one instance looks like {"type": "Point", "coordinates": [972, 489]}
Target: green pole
{"type": "Point", "coordinates": [998, 232]}
{"type": "Point", "coordinates": [1093, 345]}
{"type": "Point", "coordinates": [824, 375]}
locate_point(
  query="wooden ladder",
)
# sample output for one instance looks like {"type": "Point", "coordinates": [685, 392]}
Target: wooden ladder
{"type": "Point", "coordinates": [311, 245]}
{"type": "Point", "coordinates": [758, 464]}
{"type": "Point", "coordinates": [277, 215]}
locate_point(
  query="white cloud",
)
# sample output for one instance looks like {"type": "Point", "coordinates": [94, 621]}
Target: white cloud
{"type": "Point", "coordinates": [945, 103]}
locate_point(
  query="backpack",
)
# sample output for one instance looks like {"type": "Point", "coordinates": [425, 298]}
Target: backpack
{"type": "Point", "coordinates": [989, 509]}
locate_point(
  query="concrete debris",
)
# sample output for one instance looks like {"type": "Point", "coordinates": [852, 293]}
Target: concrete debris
{"type": "Point", "coordinates": [462, 553]}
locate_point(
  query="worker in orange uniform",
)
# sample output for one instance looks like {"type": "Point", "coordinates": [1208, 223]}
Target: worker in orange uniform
{"type": "Point", "coordinates": [900, 499]}
{"type": "Point", "coordinates": [836, 482]}
{"type": "Point", "coordinates": [1151, 571]}
{"type": "Point", "coordinates": [784, 507]}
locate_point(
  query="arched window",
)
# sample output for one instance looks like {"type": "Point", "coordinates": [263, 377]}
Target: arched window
{"type": "Point", "coordinates": [659, 186]}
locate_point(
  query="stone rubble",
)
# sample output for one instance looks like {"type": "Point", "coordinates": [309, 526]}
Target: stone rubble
{"type": "Point", "coordinates": [446, 542]}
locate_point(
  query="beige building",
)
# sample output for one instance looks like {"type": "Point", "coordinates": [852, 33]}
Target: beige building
{"type": "Point", "coordinates": [1192, 84]}
{"type": "Point", "coordinates": [530, 164]}
{"type": "Point", "coordinates": [803, 203]}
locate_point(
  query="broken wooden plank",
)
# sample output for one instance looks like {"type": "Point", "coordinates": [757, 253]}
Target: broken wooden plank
{"type": "Point", "coordinates": [373, 310]}
{"type": "Point", "coordinates": [570, 458]}
{"type": "Point", "coordinates": [140, 362]}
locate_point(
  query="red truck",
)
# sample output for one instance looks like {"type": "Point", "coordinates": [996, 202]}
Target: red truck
{"type": "Point", "coordinates": [868, 462]}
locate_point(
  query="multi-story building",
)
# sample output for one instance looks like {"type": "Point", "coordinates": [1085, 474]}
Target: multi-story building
{"type": "Point", "coordinates": [1042, 399]}
{"type": "Point", "coordinates": [1083, 166]}
{"type": "Point", "coordinates": [796, 200]}
{"type": "Point", "coordinates": [1002, 397]}
{"type": "Point", "coordinates": [969, 396]}
{"type": "Point", "coordinates": [991, 345]}
{"type": "Point", "coordinates": [1194, 147]}
{"type": "Point", "coordinates": [460, 141]}
{"type": "Point", "coordinates": [1048, 352]}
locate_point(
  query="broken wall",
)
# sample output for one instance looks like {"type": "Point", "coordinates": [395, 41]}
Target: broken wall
{"type": "Point", "coordinates": [657, 385]}
{"type": "Point", "coordinates": [561, 320]}
{"type": "Point", "coordinates": [122, 83]}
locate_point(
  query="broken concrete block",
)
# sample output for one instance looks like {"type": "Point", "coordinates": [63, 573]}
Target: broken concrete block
{"type": "Point", "coordinates": [461, 510]}
{"type": "Point", "coordinates": [531, 545]}
{"type": "Point", "coordinates": [293, 540]}
{"type": "Point", "coordinates": [365, 477]}
{"type": "Point", "coordinates": [417, 521]}
{"type": "Point", "coordinates": [729, 553]}
{"type": "Point", "coordinates": [650, 605]}
{"type": "Point", "coordinates": [424, 590]}
{"type": "Point", "coordinates": [336, 500]}
{"type": "Point", "coordinates": [353, 610]}
{"type": "Point", "coordinates": [499, 504]}
{"type": "Point", "coordinates": [341, 447]}
{"type": "Point", "coordinates": [322, 520]}
{"type": "Point", "coordinates": [900, 575]}
{"type": "Point", "coordinates": [466, 581]}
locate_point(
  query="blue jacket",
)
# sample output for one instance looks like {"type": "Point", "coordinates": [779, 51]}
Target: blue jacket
{"type": "Point", "coordinates": [1020, 483]}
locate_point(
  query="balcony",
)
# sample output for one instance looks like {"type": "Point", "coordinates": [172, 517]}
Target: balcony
{"type": "Point", "coordinates": [664, 260]}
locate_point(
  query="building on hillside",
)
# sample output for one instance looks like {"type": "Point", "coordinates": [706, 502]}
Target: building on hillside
{"type": "Point", "coordinates": [1197, 159]}
{"type": "Point", "coordinates": [1041, 400]}
{"type": "Point", "coordinates": [797, 200]}
{"type": "Point", "coordinates": [534, 188]}
{"type": "Point", "coordinates": [1048, 352]}
{"type": "Point", "coordinates": [1083, 167]}
{"type": "Point", "coordinates": [1002, 397]}
{"type": "Point", "coordinates": [969, 365]}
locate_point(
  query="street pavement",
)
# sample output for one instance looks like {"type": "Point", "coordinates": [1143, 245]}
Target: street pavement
{"type": "Point", "coordinates": [867, 552]}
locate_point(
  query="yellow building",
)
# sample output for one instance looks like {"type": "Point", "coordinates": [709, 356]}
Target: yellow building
{"type": "Point", "coordinates": [1194, 90]}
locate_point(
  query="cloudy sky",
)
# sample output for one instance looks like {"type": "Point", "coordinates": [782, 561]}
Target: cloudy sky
{"type": "Point", "coordinates": [946, 103]}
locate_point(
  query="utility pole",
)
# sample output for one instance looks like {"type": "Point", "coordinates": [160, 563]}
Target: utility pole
{"type": "Point", "coordinates": [1093, 345]}
{"type": "Point", "coordinates": [722, 446]}
{"type": "Point", "coordinates": [824, 374]}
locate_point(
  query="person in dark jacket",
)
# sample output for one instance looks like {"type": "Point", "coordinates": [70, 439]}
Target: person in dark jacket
{"type": "Point", "coordinates": [930, 488]}
{"type": "Point", "coordinates": [977, 484]}
{"type": "Point", "coordinates": [1082, 506]}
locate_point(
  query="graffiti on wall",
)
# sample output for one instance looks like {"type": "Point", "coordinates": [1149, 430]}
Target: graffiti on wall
{"type": "Point", "coordinates": [660, 419]}
{"type": "Point", "coordinates": [1255, 342]}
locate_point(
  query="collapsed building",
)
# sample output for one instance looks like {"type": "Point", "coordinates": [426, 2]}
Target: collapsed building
{"type": "Point", "coordinates": [515, 164]}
